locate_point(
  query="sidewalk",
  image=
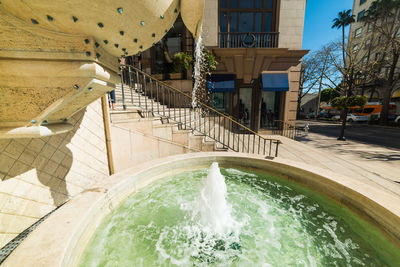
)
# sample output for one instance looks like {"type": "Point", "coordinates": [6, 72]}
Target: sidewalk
{"type": "Point", "coordinates": [371, 164]}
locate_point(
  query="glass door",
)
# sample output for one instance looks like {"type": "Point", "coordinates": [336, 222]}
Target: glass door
{"type": "Point", "coordinates": [245, 105]}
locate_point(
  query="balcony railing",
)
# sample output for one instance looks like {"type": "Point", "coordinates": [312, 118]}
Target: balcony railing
{"type": "Point", "coordinates": [248, 40]}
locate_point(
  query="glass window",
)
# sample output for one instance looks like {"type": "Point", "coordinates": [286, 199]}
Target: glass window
{"type": "Point", "coordinates": [233, 4]}
{"type": "Point", "coordinates": [355, 48]}
{"type": "Point", "coordinates": [258, 22]}
{"type": "Point", "coordinates": [358, 32]}
{"type": "Point", "coordinates": [360, 15]}
{"type": "Point", "coordinates": [259, 3]}
{"type": "Point", "coordinates": [222, 22]}
{"type": "Point", "coordinates": [246, 3]}
{"type": "Point", "coordinates": [270, 105]}
{"type": "Point", "coordinates": [246, 22]}
{"type": "Point", "coordinates": [269, 3]}
{"type": "Point", "coordinates": [233, 22]}
{"type": "Point", "coordinates": [223, 3]}
{"type": "Point", "coordinates": [362, 2]}
{"type": "Point", "coordinates": [268, 21]}
{"type": "Point", "coordinates": [367, 43]}
{"type": "Point", "coordinates": [221, 101]}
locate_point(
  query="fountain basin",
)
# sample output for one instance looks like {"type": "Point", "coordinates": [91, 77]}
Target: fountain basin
{"type": "Point", "coordinates": [62, 238]}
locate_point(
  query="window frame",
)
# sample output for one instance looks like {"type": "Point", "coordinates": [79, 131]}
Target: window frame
{"type": "Point", "coordinates": [228, 10]}
{"type": "Point", "coordinates": [360, 15]}
{"type": "Point", "coordinates": [358, 32]}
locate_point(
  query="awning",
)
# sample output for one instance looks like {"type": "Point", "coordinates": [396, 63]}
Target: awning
{"type": "Point", "coordinates": [277, 82]}
{"type": "Point", "coordinates": [221, 83]}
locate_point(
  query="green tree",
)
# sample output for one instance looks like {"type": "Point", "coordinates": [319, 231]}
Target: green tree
{"type": "Point", "coordinates": [345, 18]}
{"type": "Point", "coordinates": [328, 94]}
{"type": "Point", "coordinates": [382, 70]}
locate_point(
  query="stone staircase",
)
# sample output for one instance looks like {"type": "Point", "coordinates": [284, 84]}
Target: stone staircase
{"type": "Point", "coordinates": [167, 128]}
{"type": "Point", "coordinates": [152, 107]}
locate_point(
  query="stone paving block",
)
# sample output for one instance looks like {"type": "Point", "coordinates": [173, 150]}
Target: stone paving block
{"type": "Point", "coordinates": [13, 205]}
{"type": "Point", "coordinates": [36, 145]}
{"type": "Point", "coordinates": [18, 168]}
{"type": "Point", "coordinates": [6, 163]}
{"type": "Point", "coordinates": [3, 144]}
{"type": "Point", "coordinates": [23, 141]}
{"type": "Point", "coordinates": [22, 189]}
{"type": "Point", "coordinates": [47, 151]}
{"type": "Point", "coordinates": [14, 149]}
{"type": "Point", "coordinates": [58, 156]}
{"type": "Point", "coordinates": [28, 156]}
{"type": "Point", "coordinates": [8, 185]}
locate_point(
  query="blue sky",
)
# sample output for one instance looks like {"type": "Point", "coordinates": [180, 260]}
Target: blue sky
{"type": "Point", "coordinates": [318, 22]}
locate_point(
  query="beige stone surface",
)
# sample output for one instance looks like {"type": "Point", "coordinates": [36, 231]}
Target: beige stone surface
{"type": "Point", "coordinates": [37, 175]}
{"type": "Point", "coordinates": [210, 23]}
{"type": "Point", "coordinates": [291, 23]}
{"type": "Point", "coordinates": [62, 238]}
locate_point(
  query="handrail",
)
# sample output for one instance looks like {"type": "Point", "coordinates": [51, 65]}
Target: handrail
{"type": "Point", "coordinates": [204, 105]}
{"type": "Point", "coordinates": [285, 129]}
{"type": "Point", "coordinates": [159, 97]}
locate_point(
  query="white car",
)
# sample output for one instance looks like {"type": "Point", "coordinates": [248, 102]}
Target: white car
{"type": "Point", "coordinates": [352, 117]}
{"type": "Point", "coordinates": [397, 120]}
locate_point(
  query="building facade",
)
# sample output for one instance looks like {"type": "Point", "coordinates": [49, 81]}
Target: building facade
{"type": "Point", "coordinates": [364, 44]}
{"type": "Point", "coordinates": [258, 47]}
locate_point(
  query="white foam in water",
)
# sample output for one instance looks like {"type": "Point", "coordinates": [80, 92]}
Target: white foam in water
{"type": "Point", "coordinates": [212, 206]}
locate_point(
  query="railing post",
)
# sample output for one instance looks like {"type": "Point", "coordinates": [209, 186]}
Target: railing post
{"type": "Point", "coordinates": [270, 147]}
{"type": "Point", "coordinates": [248, 143]}
{"type": "Point", "coordinates": [158, 99]}
{"type": "Point", "coordinates": [184, 109]}
{"type": "Point", "coordinates": [264, 145]}
{"type": "Point", "coordinates": [139, 87]}
{"type": "Point", "coordinates": [276, 150]}
{"type": "Point", "coordinates": [151, 95]}
{"type": "Point", "coordinates": [122, 87]}
{"type": "Point", "coordinates": [130, 83]}
{"type": "Point", "coordinates": [163, 94]}
{"type": "Point", "coordinates": [145, 92]}
{"type": "Point", "coordinates": [169, 102]}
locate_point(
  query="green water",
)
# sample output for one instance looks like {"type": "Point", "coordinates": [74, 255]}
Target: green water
{"type": "Point", "coordinates": [276, 226]}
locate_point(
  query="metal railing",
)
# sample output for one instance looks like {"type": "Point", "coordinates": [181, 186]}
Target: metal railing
{"type": "Point", "coordinates": [248, 39]}
{"type": "Point", "coordinates": [156, 97]}
{"type": "Point", "coordinates": [285, 129]}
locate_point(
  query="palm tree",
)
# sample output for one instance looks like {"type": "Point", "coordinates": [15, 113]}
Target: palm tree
{"type": "Point", "coordinates": [344, 19]}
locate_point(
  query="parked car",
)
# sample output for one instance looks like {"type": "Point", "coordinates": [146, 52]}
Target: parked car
{"type": "Point", "coordinates": [397, 120]}
{"type": "Point", "coordinates": [352, 117]}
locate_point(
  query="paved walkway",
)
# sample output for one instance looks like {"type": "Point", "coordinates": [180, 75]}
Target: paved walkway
{"type": "Point", "coordinates": [372, 164]}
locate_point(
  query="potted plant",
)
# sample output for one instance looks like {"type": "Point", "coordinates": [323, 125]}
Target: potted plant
{"type": "Point", "coordinates": [181, 61]}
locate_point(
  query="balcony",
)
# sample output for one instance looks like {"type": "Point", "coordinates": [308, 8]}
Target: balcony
{"type": "Point", "coordinates": [248, 40]}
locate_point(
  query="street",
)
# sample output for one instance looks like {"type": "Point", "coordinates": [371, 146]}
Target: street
{"type": "Point", "coordinates": [388, 137]}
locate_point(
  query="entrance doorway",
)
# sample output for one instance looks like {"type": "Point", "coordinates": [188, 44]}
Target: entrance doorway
{"type": "Point", "coordinates": [245, 106]}
{"type": "Point", "coordinates": [270, 105]}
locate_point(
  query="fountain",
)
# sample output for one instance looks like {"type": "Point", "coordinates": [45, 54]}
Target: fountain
{"type": "Point", "coordinates": [251, 218]}
{"type": "Point", "coordinates": [212, 206]}
{"type": "Point", "coordinates": [199, 69]}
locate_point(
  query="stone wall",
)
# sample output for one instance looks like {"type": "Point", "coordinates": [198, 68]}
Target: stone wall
{"type": "Point", "coordinates": [291, 23]}
{"type": "Point", "coordinates": [210, 23]}
{"type": "Point", "coordinates": [38, 175]}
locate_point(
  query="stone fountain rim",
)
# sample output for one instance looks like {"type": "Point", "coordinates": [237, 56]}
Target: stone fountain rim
{"type": "Point", "coordinates": [61, 239]}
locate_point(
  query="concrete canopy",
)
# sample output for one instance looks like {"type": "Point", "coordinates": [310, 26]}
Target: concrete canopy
{"type": "Point", "coordinates": [58, 56]}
